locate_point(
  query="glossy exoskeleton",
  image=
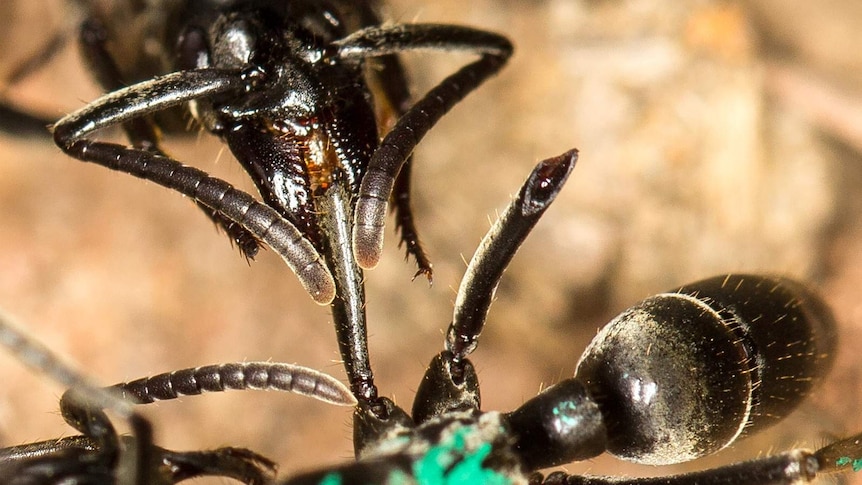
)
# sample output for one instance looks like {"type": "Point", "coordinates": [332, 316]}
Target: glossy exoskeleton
{"type": "Point", "coordinates": [678, 376]}
{"type": "Point", "coordinates": [284, 84]}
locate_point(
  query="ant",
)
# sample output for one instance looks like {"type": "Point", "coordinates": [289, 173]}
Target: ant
{"type": "Point", "coordinates": [676, 377]}
{"type": "Point", "coordinates": [283, 85]}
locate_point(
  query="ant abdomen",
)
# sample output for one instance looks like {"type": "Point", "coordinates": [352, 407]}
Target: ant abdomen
{"type": "Point", "coordinates": [683, 374]}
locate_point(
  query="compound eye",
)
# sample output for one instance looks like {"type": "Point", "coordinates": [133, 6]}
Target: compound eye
{"type": "Point", "coordinates": [681, 375]}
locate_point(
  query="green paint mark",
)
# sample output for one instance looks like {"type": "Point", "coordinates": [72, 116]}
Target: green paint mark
{"type": "Point", "coordinates": [846, 460]}
{"type": "Point", "coordinates": [331, 478]}
{"type": "Point", "coordinates": [397, 477]}
{"type": "Point", "coordinates": [450, 463]}
{"type": "Point", "coordinates": [563, 413]}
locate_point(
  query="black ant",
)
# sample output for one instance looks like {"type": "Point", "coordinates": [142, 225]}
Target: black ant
{"type": "Point", "coordinates": [283, 84]}
{"type": "Point", "coordinates": [678, 376]}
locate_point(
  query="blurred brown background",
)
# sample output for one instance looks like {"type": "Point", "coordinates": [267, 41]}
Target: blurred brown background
{"type": "Point", "coordinates": [714, 136]}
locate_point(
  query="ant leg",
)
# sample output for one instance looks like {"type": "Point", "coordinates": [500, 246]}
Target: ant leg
{"type": "Point", "coordinates": [89, 400]}
{"type": "Point", "coordinates": [239, 236]}
{"type": "Point", "coordinates": [405, 224]}
{"type": "Point", "coordinates": [82, 407]}
{"type": "Point", "coordinates": [52, 461]}
{"type": "Point", "coordinates": [398, 144]}
{"type": "Point", "coordinates": [79, 456]}
{"type": "Point", "coordinates": [66, 467]}
{"type": "Point", "coordinates": [240, 464]}
{"type": "Point", "coordinates": [143, 132]}
{"type": "Point", "coordinates": [389, 74]}
{"type": "Point", "coordinates": [39, 449]}
{"type": "Point", "coordinates": [789, 468]}
{"type": "Point", "coordinates": [83, 463]}
{"type": "Point", "coordinates": [71, 132]}
{"type": "Point", "coordinates": [497, 249]}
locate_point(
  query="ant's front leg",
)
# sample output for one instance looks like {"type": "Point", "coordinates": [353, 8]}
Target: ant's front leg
{"type": "Point", "coordinates": [388, 72]}
{"type": "Point", "coordinates": [72, 134]}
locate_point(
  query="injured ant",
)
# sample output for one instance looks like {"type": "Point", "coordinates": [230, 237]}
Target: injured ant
{"type": "Point", "coordinates": [678, 376]}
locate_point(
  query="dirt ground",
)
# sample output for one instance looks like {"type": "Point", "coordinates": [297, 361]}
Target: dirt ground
{"type": "Point", "coordinates": [715, 137]}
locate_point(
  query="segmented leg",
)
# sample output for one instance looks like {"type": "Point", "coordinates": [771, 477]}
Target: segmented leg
{"type": "Point", "coordinates": [77, 460]}
{"type": "Point", "coordinates": [90, 401]}
{"type": "Point", "coordinates": [71, 135]}
{"type": "Point", "coordinates": [65, 467]}
{"type": "Point", "coordinates": [398, 144]}
{"type": "Point", "coordinates": [789, 468]}
{"type": "Point", "coordinates": [393, 82]}
{"type": "Point", "coordinates": [238, 463]}
{"type": "Point", "coordinates": [405, 224]}
{"type": "Point", "coordinates": [20, 453]}
{"type": "Point", "coordinates": [142, 131]}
